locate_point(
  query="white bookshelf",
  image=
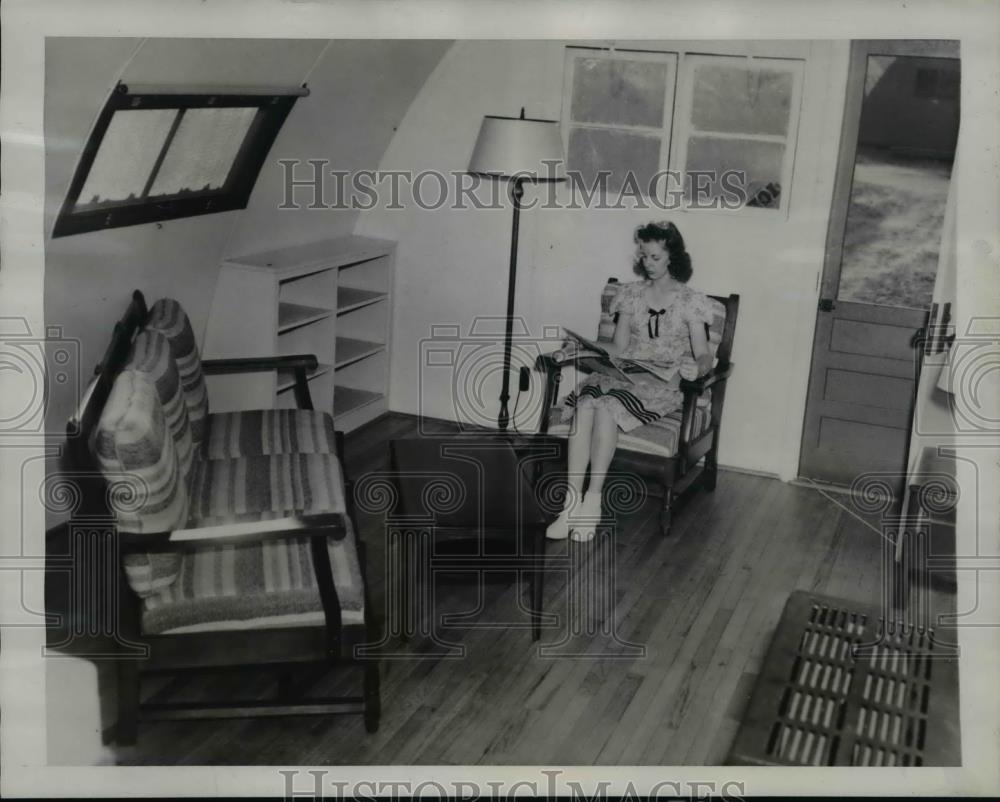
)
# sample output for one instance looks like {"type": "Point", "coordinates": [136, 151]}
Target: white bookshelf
{"type": "Point", "coordinates": [331, 298]}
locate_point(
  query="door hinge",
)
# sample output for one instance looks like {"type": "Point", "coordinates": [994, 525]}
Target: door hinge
{"type": "Point", "coordinates": [826, 305]}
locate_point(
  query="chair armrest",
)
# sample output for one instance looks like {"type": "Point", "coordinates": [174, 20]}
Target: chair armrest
{"type": "Point", "coordinates": [328, 524]}
{"type": "Point", "coordinates": [697, 386]}
{"type": "Point", "coordinates": [257, 364]}
{"type": "Point", "coordinates": [300, 364]}
{"type": "Point", "coordinates": [547, 362]}
{"type": "Point", "coordinates": [553, 374]}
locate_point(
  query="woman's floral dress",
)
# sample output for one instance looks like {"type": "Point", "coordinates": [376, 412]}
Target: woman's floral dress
{"type": "Point", "coordinates": [659, 335]}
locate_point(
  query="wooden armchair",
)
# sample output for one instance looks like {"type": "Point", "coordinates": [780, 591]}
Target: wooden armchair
{"type": "Point", "coordinates": [682, 447]}
{"type": "Point", "coordinates": [237, 551]}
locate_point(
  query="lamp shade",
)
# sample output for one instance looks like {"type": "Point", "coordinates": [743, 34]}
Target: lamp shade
{"type": "Point", "coordinates": [515, 146]}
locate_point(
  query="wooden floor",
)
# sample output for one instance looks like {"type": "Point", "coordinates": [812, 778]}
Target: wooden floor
{"type": "Point", "coordinates": [663, 679]}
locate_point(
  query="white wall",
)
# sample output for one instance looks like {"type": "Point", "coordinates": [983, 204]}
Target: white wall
{"type": "Point", "coordinates": [359, 92]}
{"type": "Point", "coordinates": [452, 264]}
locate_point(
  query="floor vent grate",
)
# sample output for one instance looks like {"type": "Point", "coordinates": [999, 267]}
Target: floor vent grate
{"type": "Point", "coordinates": [840, 687]}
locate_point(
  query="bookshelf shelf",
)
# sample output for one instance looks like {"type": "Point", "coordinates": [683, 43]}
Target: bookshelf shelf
{"type": "Point", "coordinates": [331, 298]}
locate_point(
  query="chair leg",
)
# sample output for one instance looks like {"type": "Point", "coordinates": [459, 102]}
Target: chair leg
{"type": "Point", "coordinates": [666, 511]}
{"type": "Point", "coordinates": [127, 730]}
{"type": "Point", "coordinates": [372, 696]}
{"type": "Point", "coordinates": [709, 476]}
{"type": "Point", "coordinates": [711, 470]}
{"type": "Point", "coordinates": [537, 585]}
{"type": "Point", "coordinates": [401, 609]}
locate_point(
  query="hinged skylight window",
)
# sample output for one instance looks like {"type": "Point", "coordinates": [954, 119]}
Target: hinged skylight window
{"type": "Point", "coordinates": [156, 156]}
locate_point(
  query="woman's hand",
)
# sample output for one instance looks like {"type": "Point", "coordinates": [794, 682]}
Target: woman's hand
{"type": "Point", "coordinates": [623, 335]}
{"type": "Point", "coordinates": [704, 364]}
{"type": "Point", "coordinates": [565, 352]}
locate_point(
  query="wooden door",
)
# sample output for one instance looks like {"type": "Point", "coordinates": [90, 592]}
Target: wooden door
{"type": "Point", "coordinates": [897, 149]}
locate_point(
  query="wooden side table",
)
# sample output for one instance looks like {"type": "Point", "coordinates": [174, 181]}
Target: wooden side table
{"type": "Point", "coordinates": [463, 504]}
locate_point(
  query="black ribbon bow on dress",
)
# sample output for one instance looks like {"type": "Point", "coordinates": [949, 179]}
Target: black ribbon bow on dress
{"type": "Point", "coordinates": [653, 323]}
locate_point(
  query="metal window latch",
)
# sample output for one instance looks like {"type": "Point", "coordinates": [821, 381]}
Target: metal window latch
{"type": "Point", "coordinates": [826, 305]}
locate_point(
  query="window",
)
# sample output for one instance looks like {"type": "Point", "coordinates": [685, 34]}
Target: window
{"type": "Point", "coordinates": [739, 118]}
{"type": "Point", "coordinates": [618, 113]}
{"type": "Point", "coordinates": [154, 156]}
{"type": "Point", "coordinates": [728, 130]}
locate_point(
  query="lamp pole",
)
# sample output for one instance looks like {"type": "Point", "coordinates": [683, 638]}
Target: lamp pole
{"type": "Point", "coordinates": [514, 149]}
{"type": "Point", "coordinates": [516, 189]}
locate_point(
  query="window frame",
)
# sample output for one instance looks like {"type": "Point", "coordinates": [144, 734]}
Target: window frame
{"type": "Point", "coordinates": [669, 57]}
{"type": "Point", "coordinates": [673, 151]}
{"type": "Point", "coordinates": [685, 127]}
{"type": "Point", "coordinates": [273, 107]}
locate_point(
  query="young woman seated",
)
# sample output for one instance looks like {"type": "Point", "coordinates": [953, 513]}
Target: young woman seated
{"type": "Point", "coordinates": [660, 319]}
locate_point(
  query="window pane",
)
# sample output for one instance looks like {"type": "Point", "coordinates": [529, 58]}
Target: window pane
{"type": "Point", "coordinates": [757, 166]}
{"type": "Point", "coordinates": [203, 149]}
{"type": "Point", "coordinates": [126, 156]}
{"type": "Point", "coordinates": [619, 92]}
{"type": "Point", "coordinates": [906, 146]}
{"type": "Point", "coordinates": [731, 99]}
{"type": "Point", "coordinates": [593, 149]}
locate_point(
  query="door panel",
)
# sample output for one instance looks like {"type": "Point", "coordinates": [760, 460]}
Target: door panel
{"type": "Point", "coordinates": [897, 148]}
{"type": "Point", "coordinates": [842, 439]}
{"type": "Point", "coordinates": [885, 340]}
{"type": "Point", "coordinates": [867, 389]}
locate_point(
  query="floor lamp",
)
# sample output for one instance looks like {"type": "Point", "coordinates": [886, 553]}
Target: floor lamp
{"type": "Point", "coordinates": [515, 150]}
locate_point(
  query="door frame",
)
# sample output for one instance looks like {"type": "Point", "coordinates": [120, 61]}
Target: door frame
{"type": "Point", "coordinates": [829, 283]}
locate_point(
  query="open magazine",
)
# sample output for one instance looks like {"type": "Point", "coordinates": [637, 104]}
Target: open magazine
{"type": "Point", "coordinates": [595, 358]}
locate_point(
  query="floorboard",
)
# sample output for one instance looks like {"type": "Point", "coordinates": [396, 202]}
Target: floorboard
{"type": "Point", "coordinates": [663, 665]}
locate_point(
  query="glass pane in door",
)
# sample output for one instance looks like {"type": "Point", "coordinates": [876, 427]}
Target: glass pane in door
{"type": "Point", "coordinates": [906, 147]}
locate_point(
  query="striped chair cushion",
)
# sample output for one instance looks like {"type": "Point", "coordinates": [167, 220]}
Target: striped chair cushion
{"type": "Point", "coordinates": [263, 488]}
{"type": "Point", "coordinates": [255, 585]}
{"type": "Point", "coordinates": [659, 438]}
{"type": "Point", "coordinates": [151, 356]}
{"type": "Point", "coordinates": [168, 318]}
{"type": "Point", "coordinates": [135, 451]}
{"type": "Point", "coordinates": [265, 432]}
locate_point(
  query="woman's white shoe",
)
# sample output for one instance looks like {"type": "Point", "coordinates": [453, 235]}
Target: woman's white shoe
{"type": "Point", "coordinates": [586, 518]}
{"type": "Point", "coordinates": [559, 528]}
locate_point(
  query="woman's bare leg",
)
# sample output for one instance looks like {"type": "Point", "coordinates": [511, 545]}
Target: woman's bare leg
{"type": "Point", "coordinates": [602, 449]}
{"type": "Point", "coordinates": [576, 466]}
{"type": "Point", "coordinates": [579, 448]}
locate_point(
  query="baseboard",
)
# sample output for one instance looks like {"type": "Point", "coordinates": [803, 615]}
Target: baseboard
{"type": "Point", "coordinates": [444, 422]}
{"type": "Point", "coordinates": [750, 472]}
{"type": "Point", "coordinates": [824, 487]}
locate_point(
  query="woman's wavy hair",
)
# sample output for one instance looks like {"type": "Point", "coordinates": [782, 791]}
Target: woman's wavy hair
{"type": "Point", "coordinates": [666, 232]}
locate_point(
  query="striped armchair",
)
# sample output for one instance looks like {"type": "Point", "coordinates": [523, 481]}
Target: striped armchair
{"type": "Point", "coordinates": [679, 448]}
{"type": "Point", "coordinates": [235, 530]}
